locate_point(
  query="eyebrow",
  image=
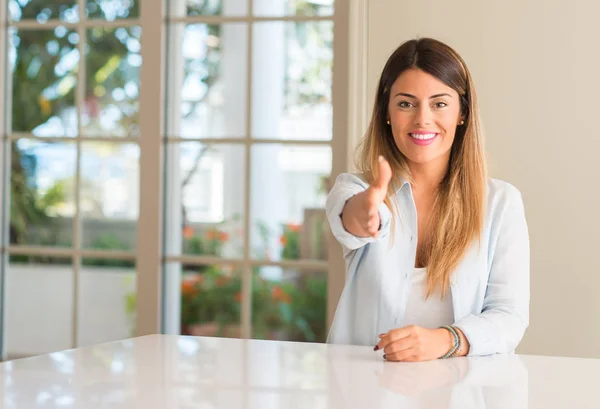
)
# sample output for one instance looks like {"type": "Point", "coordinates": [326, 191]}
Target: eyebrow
{"type": "Point", "coordinates": [431, 97]}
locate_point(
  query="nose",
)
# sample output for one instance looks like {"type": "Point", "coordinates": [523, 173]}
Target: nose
{"type": "Point", "coordinates": [423, 116]}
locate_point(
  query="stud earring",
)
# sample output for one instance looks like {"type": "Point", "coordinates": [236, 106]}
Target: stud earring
{"type": "Point", "coordinates": [388, 122]}
{"type": "Point", "coordinates": [462, 122]}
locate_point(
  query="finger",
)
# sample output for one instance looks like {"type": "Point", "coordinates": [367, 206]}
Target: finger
{"type": "Point", "coordinates": [393, 336]}
{"type": "Point", "coordinates": [384, 173]}
{"type": "Point", "coordinates": [372, 227]}
{"type": "Point", "coordinates": [408, 355]}
{"type": "Point", "coordinates": [372, 210]}
{"type": "Point", "coordinates": [378, 189]}
{"type": "Point", "coordinates": [372, 221]}
{"type": "Point", "coordinates": [398, 346]}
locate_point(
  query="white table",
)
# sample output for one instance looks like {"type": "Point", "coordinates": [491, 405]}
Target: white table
{"type": "Point", "coordinates": [186, 372]}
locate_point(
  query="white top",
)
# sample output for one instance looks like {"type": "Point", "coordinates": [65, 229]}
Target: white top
{"type": "Point", "coordinates": [428, 313]}
{"type": "Point", "coordinates": [176, 372]}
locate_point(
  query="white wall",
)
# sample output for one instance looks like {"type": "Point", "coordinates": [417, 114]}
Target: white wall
{"type": "Point", "coordinates": [535, 64]}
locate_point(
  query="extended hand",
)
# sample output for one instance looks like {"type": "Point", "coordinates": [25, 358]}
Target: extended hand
{"type": "Point", "coordinates": [361, 214]}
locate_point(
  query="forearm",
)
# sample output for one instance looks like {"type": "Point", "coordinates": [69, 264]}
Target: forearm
{"type": "Point", "coordinates": [496, 331]}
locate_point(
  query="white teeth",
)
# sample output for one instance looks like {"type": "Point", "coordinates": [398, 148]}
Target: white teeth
{"type": "Point", "coordinates": [423, 136]}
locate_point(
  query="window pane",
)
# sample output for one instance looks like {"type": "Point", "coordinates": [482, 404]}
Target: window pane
{"type": "Point", "coordinates": [289, 304]}
{"type": "Point", "coordinates": [207, 93]}
{"type": "Point", "coordinates": [288, 201]}
{"type": "Point", "coordinates": [211, 300]}
{"type": "Point", "coordinates": [4, 172]}
{"type": "Point", "coordinates": [109, 195]}
{"type": "Point", "coordinates": [205, 200]}
{"type": "Point", "coordinates": [179, 8]}
{"type": "Point", "coordinates": [112, 9]}
{"type": "Point", "coordinates": [291, 80]}
{"type": "Point", "coordinates": [44, 66]}
{"type": "Point", "coordinates": [280, 8]}
{"type": "Point", "coordinates": [44, 10]}
{"type": "Point", "coordinates": [113, 61]}
{"type": "Point", "coordinates": [42, 186]}
{"type": "Point", "coordinates": [106, 301]}
{"type": "Point", "coordinates": [39, 303]}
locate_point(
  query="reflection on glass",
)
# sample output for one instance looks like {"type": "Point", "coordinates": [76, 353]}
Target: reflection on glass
{"type": "Point", "coordinates": [62, 362]}
{"type": "Point", "coordinates": [281, 8]}
{"type": "Point", "coordinates": [107, 300]}
{"type": "Point", "coordinates": [207, 94]}
{"type": "Point", "coordinates": [112, 9]}
{"type": "Point", "coordinates": [42, 193]}
{"type": "Point", "coordinates": [211, 299]}
{"type": "Point", "coordinates": [208, 8]}
{"type": "Point", "coordinates": [113, 62]}
{"type": "Point", "coordinates": [44, 66]}
{"type": "Point", "coordinates": [205, 199]}
{"type": "Point", "coordinates": [65, 10]}
{"type": "Point", "coordinates": [109, 198]}
{"type": "Point", "coordinates": [291, 79]}
{"type": "Point", "coordinates": [39, 301]}
{"type": "Point", "coordinates": [289, 304]}
{"type": "Point", "coordinates": [289, 189]}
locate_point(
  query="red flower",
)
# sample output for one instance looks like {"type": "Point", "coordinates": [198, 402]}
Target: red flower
{"type": "Point", "coordinates": [294, 227]}
{"type": "Point", "coordinates": [188, 232]}
{"type": "Point", "coordinates": [279, 295]}
{"type": "Point", "coordinates": [188, 288]}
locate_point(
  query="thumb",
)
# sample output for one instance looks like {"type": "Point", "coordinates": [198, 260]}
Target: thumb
{"type": "Point", "coordinates": [384, 175]}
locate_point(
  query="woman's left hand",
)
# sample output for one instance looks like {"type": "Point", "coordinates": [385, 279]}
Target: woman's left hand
{"type": "Point", "coordinates": [414, 344]}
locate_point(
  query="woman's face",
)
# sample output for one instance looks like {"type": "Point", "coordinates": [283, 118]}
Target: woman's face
{"type": "Point", "coordinates": [423, 113]}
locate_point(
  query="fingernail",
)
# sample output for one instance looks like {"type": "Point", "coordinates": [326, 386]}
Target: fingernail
{"type": "Point", "coordinates": [380, 335]}
{"type": "Point", "coordinates": [376, 348]}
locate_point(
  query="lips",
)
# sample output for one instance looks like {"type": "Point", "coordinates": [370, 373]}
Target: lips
{"type": "Point", "coordinates": [423, 138]}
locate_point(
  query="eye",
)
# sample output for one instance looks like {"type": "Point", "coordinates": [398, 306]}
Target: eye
{"type": "Point", "coordinates": [440, 104]}
{"type": "Point", "coordinates": [404, 104]}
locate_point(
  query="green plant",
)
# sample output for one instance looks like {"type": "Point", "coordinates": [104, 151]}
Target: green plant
{"type": "Point", "coordinates": [264, 233]}
{"type": "Point", "coordinates": [130, 303]}
{"type": "Point", "coordinates": [209, 244]}
{"type": "Point", "coordinates": [108, 241]}
{"type": "Point", "coordinates": [47, 92]}
{"type": "Point", "coordinates": [310, 309]}
{"type": "Point", "coordinates": [294, 310]}
{"type": "Point", "coordinates": [290, 240]}
{"type": "Point", "coordinates": [210, 297]}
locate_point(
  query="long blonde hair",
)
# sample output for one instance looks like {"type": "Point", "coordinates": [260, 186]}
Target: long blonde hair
{"type": "Point", "coordinates": [458, 210]}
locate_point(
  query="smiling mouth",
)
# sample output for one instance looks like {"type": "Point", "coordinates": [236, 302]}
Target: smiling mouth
{"type": "Point", "coordinates": [423, 139]}
{"type": "Point", "coordinates": [423, 136]}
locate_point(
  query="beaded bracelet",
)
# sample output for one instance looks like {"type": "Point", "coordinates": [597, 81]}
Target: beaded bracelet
{"type": "Point", "coordinates": [460, 345]}
{"type": "Point", "coordinates": [455, 350]}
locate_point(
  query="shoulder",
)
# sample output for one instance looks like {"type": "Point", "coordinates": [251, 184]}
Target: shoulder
{"type": "Point", "coordinates": [502, 193]}
{"type": "Point", "coordinates": [503, 198]}
{"type": "Point", "coordinates": [351, 179]}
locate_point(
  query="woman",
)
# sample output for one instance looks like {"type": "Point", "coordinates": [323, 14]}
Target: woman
{"type": "Point", "coordinates": [437, 254]}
